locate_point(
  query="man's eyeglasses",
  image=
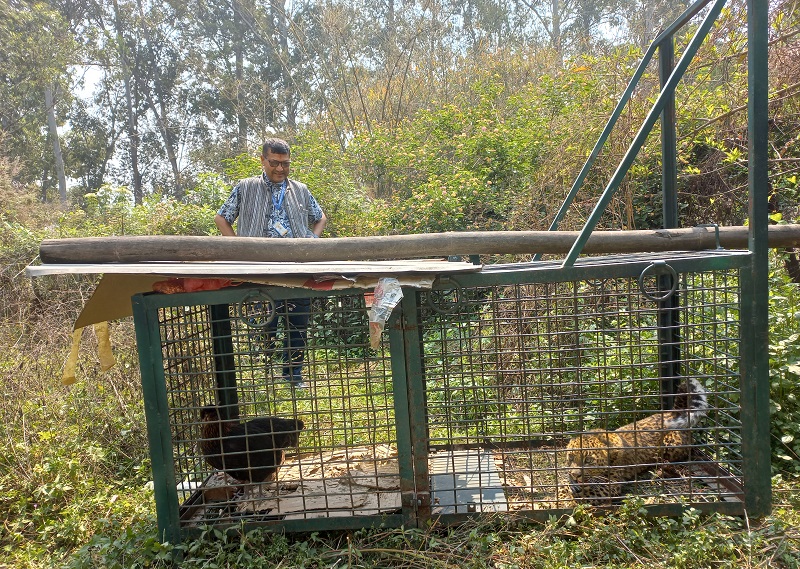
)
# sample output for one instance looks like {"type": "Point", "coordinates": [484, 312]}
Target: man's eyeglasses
{"type": "Point", "coordinates": [275, 163]}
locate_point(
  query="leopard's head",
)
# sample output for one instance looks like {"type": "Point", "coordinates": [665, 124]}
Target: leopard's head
{"type": "Point", "coordinates": [588, 462]}
{"type": "Point", "coordinates": [588, 457]}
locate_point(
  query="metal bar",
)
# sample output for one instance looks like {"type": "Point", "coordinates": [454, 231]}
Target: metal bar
{"type": "Point", "coordinates": [599, 268]}
{"type": "Point", "coordinates": [681, 20]}
{"type": "Point", "coordinates": [668, 313]}
{"type": "Point", "coordinates": [644, 131]}
{"type": "Point", "coordinates": [598, 146]}
{"type": "Point", "coordinates": [402, 392]}
{"type": "Point", "coordinates": [623, 100]}
{"type": "Point", "coordinates": [415, 385]}
{"type": "Point", "coordinates": [669, 340]}
{"type": "Point", "coordinates": [224, 363]}
{"type": "Point", "coordinates": [658, 510]}
{"type": "Point", "coordinates": [669, 161]}
{"type": "Point", "coordinates": [755, 365]}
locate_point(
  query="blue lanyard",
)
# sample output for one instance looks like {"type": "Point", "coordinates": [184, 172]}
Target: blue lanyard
{"type": "Point", "coordinates": [278, 203]}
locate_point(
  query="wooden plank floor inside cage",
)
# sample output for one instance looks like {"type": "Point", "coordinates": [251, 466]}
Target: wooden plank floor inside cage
{"type": "Point", "coordinates": [347, 482]}
{"type": "Point", "coordinates": [365, 481]}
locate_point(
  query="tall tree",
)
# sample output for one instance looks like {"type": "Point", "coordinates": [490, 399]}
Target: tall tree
{"type": "Point", "coordinates": [126, 67]}
{"type": "Point", "coordinates": [221, 38]}
{"type": "Point", "coordinates": [52, 127]}
{"type": "Point", "coordinates": [573, 26]}
{"type": "Point", "coordinates": [161, 79]}
{"type": "Point", "coordinates": [238, 53]}
{"type": "Point", "coordinates": [92, 138]}
{"type": "Point", "coordinates": [645, 17]}
{"type": "Point", "coordinates": [33, 64]}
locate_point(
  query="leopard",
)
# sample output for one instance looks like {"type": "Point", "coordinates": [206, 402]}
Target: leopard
{"type": "Point", "coordinates": [600, 463]}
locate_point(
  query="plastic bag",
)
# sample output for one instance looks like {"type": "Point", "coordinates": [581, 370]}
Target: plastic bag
{"type": "Point", "coordinates": [386, 296]}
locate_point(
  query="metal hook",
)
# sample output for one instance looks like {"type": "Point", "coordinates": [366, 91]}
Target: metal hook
{"type": "Point", "coordinates": [266, 309]}
{"type": "Point", "coordinates": [716, 232]}
{"type": "Point", "coordinates": [658, 268]}
{"type": "Point", "coordinates": [450, 295]}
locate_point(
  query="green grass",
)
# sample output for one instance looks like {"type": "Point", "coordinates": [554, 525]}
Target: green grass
{"type": "Point", "coordinates": [625, 538]}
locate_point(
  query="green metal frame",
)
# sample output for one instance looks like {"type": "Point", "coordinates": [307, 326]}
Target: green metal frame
{"type": "Point", "coordinates": [156, 410]}
{"type": "Point", "coordinates": [408, 375]}
{"type": "Point", "coordinates": [664, 43]}
{"type": "Point", "coordinates": [755, 374]}
{"type": "Point", "coordinates": [157, 413]}
{"type": "Point", "coordinates": [586, 269]}
{"type": "Point", "coordinates": [667, 94]}
{"type": "Point", "coordinates": [409, 385]}
{"type": "Point", "coordinates": [755, 365]}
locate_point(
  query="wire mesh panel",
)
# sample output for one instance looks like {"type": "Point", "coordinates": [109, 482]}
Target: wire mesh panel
{"type": "Point", "coordinates": [523, 388]}
{"type": "Point", "coordinates": [267, 425]}
{"type": "Point", "coordinates": [544, 395]}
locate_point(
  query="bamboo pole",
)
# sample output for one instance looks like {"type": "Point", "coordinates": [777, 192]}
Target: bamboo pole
{"type": "Point", "coordinates": [134, 249]}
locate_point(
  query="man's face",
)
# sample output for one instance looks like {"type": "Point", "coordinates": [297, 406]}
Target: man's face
{"type": "Point", "coordinates": [276, 166]}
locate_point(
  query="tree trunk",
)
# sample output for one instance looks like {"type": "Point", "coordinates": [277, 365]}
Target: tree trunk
{"type": "Point", "coordinates": [166, 135]}
{"type": "Point", "coordinates": [264, 249]}
{"type": "Point", "coordinates": [557, 40]}
{"type": "Point", "coordinates": [160, 109]}
{"type": "Point", "coordinates": [287, 94]}
{"type": "Point", "coordinates": [648, 25]}
{"type": "Point", "coordinates": [49, 101]}
{"type": "Point", "coordinates": [133, 134]}
{"type": "Point", "coordinates": [238, 51]}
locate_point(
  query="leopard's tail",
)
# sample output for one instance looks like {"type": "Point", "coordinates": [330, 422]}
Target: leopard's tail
{"type": "Point", "coordinates": [691, 405]}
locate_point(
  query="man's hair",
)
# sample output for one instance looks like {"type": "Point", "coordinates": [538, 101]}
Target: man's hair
{"type": "Point", "coordinates": [275, 145]}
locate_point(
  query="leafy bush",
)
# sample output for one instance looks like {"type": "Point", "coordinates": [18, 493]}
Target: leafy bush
{"type": "Point", "coordinates": [784, 370]}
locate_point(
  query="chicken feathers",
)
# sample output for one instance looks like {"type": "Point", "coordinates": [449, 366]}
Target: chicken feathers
{"type": "Point", "coordinates": [251, 451]}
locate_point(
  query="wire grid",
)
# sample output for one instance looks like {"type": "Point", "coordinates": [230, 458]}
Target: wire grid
{"type": "Point", "coordinates": [521, 369]}
{"type": "Point", "coordinates": [345, 460]}
{"type": "Point", "coordinates": [511, 374]}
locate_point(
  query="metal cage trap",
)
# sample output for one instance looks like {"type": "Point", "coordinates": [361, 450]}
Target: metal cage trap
{"type": "Point", "coordinates": [476, 400]}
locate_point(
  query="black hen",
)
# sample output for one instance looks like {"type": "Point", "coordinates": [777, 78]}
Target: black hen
{"type": "Point", "coordinates": [250, 451]}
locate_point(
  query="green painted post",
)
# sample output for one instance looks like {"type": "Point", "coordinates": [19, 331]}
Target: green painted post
{"type": "Point", "coordinates": [417, 429]}
{"type": "Point", "coordinates": [224, 364]}
{"type": "Point", "coordinates": [755, 360]}
{"type": "Point", "coordinates": [156, 408]}
{"type": "Point", "coordinates": [668, 315]}
{"type": "Point", "coordinates": [405, 451]}
{"type": "Point", "coordinates": [669, 145]}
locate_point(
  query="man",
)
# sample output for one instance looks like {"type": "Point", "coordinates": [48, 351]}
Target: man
{"type": "Point", "coordinates": [272, 205]}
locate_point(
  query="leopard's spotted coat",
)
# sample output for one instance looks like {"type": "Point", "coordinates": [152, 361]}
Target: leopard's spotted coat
{"type": "Point", "coordinates": [601, 462]}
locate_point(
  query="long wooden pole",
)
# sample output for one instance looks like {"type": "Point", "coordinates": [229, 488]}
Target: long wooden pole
{"type": "Point", "coordinates": [134, 249]}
